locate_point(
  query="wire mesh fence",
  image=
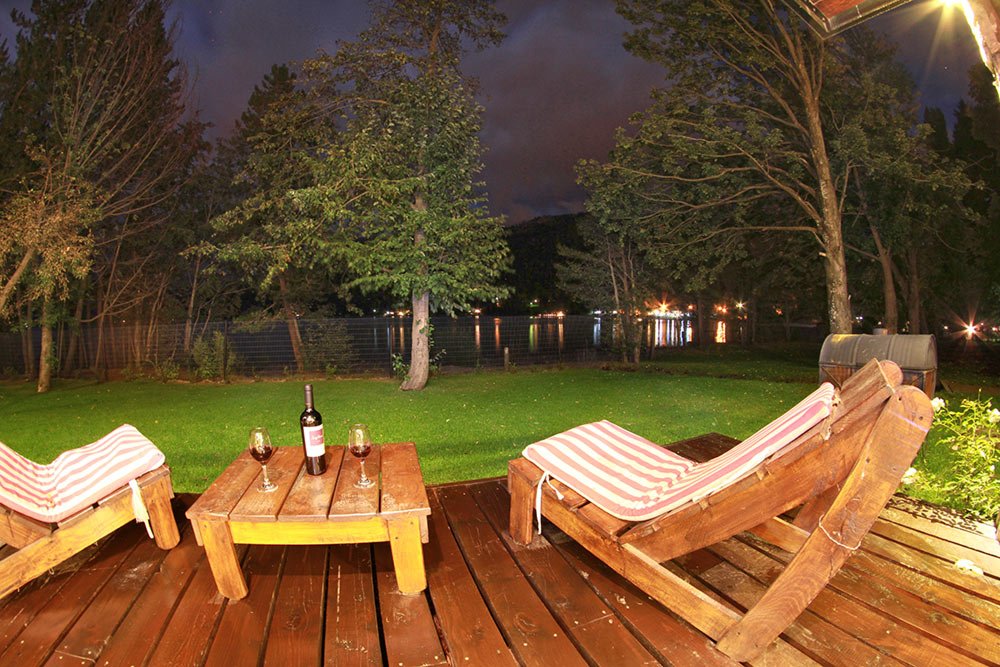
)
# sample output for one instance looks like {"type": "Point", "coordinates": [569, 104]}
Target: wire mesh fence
{"type": "Point", "coordinates": [218, 350]}
{"type": "Point", "coordinates": [331, 346]}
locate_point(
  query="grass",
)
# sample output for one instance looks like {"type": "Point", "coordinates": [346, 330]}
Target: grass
{"type": "Point", "coordinates": [465, 426]}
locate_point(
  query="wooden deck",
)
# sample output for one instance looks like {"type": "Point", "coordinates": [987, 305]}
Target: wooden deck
{"type": "Point", "coordinates": [899, 600]}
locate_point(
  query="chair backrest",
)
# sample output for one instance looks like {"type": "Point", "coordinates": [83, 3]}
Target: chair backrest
{"type": "Point", "coordinates": [76, 478]}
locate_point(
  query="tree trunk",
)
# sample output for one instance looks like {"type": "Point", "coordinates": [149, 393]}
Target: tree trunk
{"type": "Point", "coordinates": [913, 305]}
{"type": "Point", "coordinates": [99, 345]}
{"type": "Point", "coordinates": [829, 225]}
{"type": "Point", "coordinates": [15, 278]}
{"type": "Point", "coordinates": [28, 343]}
{"type": "Point", "coordinates": [74, 334]}
{"type": "Point", "coordinates": [189, 322]}
{"type": "Point", "coordinates": [420, 349]}
{"type": "Point", "coordinates": [293, 325]}
{"type": "Point", "coordinates": [699, 329]}
{"type": "Point", "coordinates": [45, 352]}
{"type": "Point", "coordinates": [891, 316]}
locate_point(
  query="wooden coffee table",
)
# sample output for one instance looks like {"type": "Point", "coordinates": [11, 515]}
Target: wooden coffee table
{"type": "Point", "coordinates": [325, 509]}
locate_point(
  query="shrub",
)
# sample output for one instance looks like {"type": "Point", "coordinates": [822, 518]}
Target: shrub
{"type": "Point", "coordinates": [972, 432]}
{"type": "Point", "coordinates": [213, 359]}
{"type": "Point", "coordinates": [327, 347]}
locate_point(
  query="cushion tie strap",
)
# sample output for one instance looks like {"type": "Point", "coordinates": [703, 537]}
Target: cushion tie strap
{"type": "Point", "coordinates": [546, 478]}
{"type": "Point", "coordinates": [139, 507]}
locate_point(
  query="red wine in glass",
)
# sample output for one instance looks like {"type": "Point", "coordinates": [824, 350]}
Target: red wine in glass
{"type": "Point", "coordinates": [362, 451]}
{"type": "Point", "coordinates": [262, 454]}
{"type": "Point", "coordinates": [261, 450]}
{"type": "Point", "coordinates": [360, 444]}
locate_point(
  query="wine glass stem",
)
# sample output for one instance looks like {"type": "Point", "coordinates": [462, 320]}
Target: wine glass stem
{"type": "Point", "coordinates": [364, 477]}
{"type": "Point", "coordinates": [267, 480]}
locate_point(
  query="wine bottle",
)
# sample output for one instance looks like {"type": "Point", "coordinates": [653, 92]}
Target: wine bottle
{"type": "Point", "coordinates": [312, 436]}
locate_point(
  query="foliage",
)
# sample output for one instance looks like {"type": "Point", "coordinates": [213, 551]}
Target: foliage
{"type": "Point", "coordinates": [466, 426]}
{"type": "Point", "coordinates": [902, 192]}
{"type": "Point", "coordinates": [972, 432]}
{"type": "Point", "coordinates": [327, 347]}
{"type": "Point", "coordinates": [213, 357]}
{"type": "Point", "coordinates": [741, 142]}
{"type": "Point", "coordinates": [270, 231]}
{"type": "Point", "coordinates": [101, 123]}
{"type": "Point", "coordinates": [404, 184]}
{"type": "Point", "coordinates": [610, 274]}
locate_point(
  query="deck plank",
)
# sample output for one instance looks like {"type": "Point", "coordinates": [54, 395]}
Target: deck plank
{"type": "Point", "coordinates": [295, 634]}
{"type": "Point", "coordinates": [407, 623]}
{"type": "Point", "coordinates": [352, 628]}
{"type": "Point", "coordinates": [672, 639]}
{"type": "Point", "coordinates": [884, 640]}
{"type": "Point", "coordinates": [22, 606]}
{"type": "Point", "coordinates": [188, 634]}
{"type": "Point", "coordinates": [899, 599]}
{"type": "Point", "coordinates": [38, 640]}
{"type": "Point", "coordinates": [89, 634]}
{"type": "Point", "coordinates": [139, 632]}
{"type": "Point", "coordinates": [593, 625]}
{"type": "Point", "coordinates": [531, 630]}
{"type": "Point", "coordinates": [932, 565]}
{"type": "Point", "coordinates": [243, 629]}
{"type": "Point", "coordinates": [943, 522]}
{"type": "Point", "coordinates": [942, 548]}
{"type": "Point", "coordinates": [466, 623]}
{"type": "Point", "coordinates": [952, 598]}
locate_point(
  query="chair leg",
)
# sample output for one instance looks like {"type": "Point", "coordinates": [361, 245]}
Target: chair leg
{"type": "Point", "coordinates": [156, 495]}
{"type": "Point", "coordinates": [43, 554]}
{"type": "Point", "coordinates": [521, 507]}
{"type": "Point", "coordinates": [889, 450]}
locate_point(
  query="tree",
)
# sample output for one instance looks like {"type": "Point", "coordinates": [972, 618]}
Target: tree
{"type": "Point", "coordinates": [612, 274]}
{"type": "Point", "coordinates": [900, 188]}
{"type": "Point", "coordinates": [404, 187]}
{"type": "Point", "coordinates": [741, 133]}
{"type": "Point", "coordinates": [106, 141]}
{"type": "Point", "coordinates": [276, 238]}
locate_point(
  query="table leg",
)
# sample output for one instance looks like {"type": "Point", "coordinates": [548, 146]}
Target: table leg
{"type": "Point", "coordinates": [407, 554]}
{"type": "Point", "coordinates": [222, 559]}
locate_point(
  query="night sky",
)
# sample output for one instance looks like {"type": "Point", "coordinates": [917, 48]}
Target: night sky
{"type": "Point", "coordinates": [554, 91]}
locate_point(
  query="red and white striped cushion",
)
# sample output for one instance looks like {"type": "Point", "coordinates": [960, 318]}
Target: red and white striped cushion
{"type": "Point", "coordinates": [77, 478]}
{"type": "Point", "coordinates": [633, 479]}
{"type": "Point", "coordinates": [608, 465]}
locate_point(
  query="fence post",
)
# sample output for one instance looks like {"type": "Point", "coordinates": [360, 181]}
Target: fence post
{"type": "Point", "coordinates": [506, 358]}
{"type": "Point", "coordinates": [225, 353]}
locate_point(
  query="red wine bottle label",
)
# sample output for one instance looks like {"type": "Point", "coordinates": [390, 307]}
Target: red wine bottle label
{"type": "Point", "coordinates": [313, 437]}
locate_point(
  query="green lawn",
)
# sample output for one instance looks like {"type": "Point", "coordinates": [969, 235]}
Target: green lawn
{"type": "Point", "coordinates": [466, 426]}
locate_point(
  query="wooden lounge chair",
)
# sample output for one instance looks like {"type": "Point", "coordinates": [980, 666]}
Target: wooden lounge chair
{"type": "Point", "coordinates": [840, 472]}
{"type": "Point", "coordinates": [50, 513]}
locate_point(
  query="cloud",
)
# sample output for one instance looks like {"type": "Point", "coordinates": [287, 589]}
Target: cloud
{"type": "Point", "coordinates": [229, 45]}
{"type": "Point", "coordinates": [554, 92]}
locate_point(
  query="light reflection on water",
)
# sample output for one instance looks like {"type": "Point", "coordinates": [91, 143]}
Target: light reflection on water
{"type": "Point", "coordinates": [538, 338]}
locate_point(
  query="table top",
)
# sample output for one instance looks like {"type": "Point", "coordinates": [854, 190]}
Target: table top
{"type": "Point", "coordinates": [332, 496]}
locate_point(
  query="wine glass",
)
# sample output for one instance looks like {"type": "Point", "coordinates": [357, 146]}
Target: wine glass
{"type": "Point", "coordinates": [261, 449]}
{"type": "Point", "coordinates": [359, 443]}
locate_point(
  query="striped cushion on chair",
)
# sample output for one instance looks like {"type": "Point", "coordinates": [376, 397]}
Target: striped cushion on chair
{"type": "Point", "coordinates": [75, 479]}
{"type": "Point", "coordinates": [608, 465]}
{"type": "Point", "coordinates": [633, 479]}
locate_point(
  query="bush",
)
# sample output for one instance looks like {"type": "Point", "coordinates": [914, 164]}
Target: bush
{"type": "Point", "coordinates": [213, 359]}
{"type": "Point", "coordinates": [971, 432]}
{"type": "Point", "coordinates": [327, 347]}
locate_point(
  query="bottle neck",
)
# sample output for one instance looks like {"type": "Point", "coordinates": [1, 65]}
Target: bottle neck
{"type": "Point", "coordinates": [309, 397]}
